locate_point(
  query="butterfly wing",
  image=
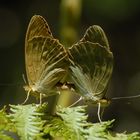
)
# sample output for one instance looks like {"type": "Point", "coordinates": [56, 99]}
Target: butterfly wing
{"type": "Point", "coordinates": [45, 57]}
{"type": "Point", "coordinates": [38, 27]}
{"type": "Point", "coordinates": [95, 34]}
{"type": "Point", "coordinates": [91, 64]}
{"type": "Point", "coordinates": [48, 63]}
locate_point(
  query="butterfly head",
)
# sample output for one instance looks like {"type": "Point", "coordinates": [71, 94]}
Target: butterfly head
{"type": "Point", "coordinates": [27, 88]}
{"type": "Point", "coordinates": [32, 90]}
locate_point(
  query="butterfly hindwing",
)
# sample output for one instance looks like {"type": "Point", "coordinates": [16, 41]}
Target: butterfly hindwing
{"type": "Point", "coordinates": [37, 27]}
{"type": "Point", "coordinates": [49, 62]}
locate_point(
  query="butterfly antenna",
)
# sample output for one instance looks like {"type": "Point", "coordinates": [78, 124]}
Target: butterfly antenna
{"type": "Point", "coordinates": [24, 79]}
{"type": "Point", "coordinates": [128, 97]}
{"type": "Point", "coordinates": [28, 94]}
{"type": "Point", "coordinates": [98, 112]}
{"type": "Point", "coordinates": [76, 102]}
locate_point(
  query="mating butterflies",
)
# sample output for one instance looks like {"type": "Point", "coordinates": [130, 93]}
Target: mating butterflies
{"type": "Point", "coordinates": [45, 58]}
{"type": "Point", "coordinates": [90, 61]}
{"type": "Point", "coordinates": [92, 65]}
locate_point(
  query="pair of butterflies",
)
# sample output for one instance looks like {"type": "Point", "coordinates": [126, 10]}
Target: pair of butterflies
{"type": "Point", "coordinates": [88, 63]}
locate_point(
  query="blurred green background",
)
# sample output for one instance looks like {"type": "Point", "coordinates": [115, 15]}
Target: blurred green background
{"type": "Point", "coordinates": [120, 20]}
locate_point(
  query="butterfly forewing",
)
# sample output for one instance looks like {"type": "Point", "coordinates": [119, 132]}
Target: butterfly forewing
{"type": "Point", "coordinates": [91, 69]}
{"type": "Point", "coordinates": [37, 27]}
{"type": "Point", "coordinates": [95, 34]}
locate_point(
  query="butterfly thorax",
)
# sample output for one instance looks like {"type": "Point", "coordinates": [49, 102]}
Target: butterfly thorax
{"type": "Point", "coordinates": [93, 100]}
{"type": "Point", "coordinates": [103, 102]}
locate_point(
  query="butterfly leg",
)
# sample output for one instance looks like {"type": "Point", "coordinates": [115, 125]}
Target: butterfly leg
{"type": "Point", "coordinates": [76, 102]}
{"type": "Point", "coordinates": [40, 99]}
{"type": "Point", "coordinates": [98, 112]}
{"type": "Point", "coordinates": [28, 94]}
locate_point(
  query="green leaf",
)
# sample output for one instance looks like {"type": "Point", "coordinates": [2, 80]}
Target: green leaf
{"type": "Point", "coordinates": [124, 136]}
{"type": "Point", "coordinates": [6, 126]}
{"type": "Point", "coordinates": [74, 117]}
{"type": "Point", "coordinates": [33, 122]}
{"type": "Point", "coordinates": [4, 136]}
{"type": "Point", "coordinates": [98, 131]}
{"type": "Point", "coordinates": [5, 123]}
{"type": "Point", "coordinates": [27, 120]}
{"type": "Point", "coordinates": [3, 119]}
{"type": "Point", "coordinates": [57, 128]}
{"type": "Point", "coordinates": [69, 124]}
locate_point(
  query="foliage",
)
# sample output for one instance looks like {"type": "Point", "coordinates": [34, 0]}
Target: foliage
{"type": "Point", "coordinates": [33, 122]}
{"type": "Point", "coordinates": [69, 123]}
{"type": "Point", "coordinates": [27, 120]}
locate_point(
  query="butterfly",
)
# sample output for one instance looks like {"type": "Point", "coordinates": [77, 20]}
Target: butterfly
{"type": "Point", "coordinates": [92, 65]}
{"type": "Point", "coordinates": [45, 58]}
